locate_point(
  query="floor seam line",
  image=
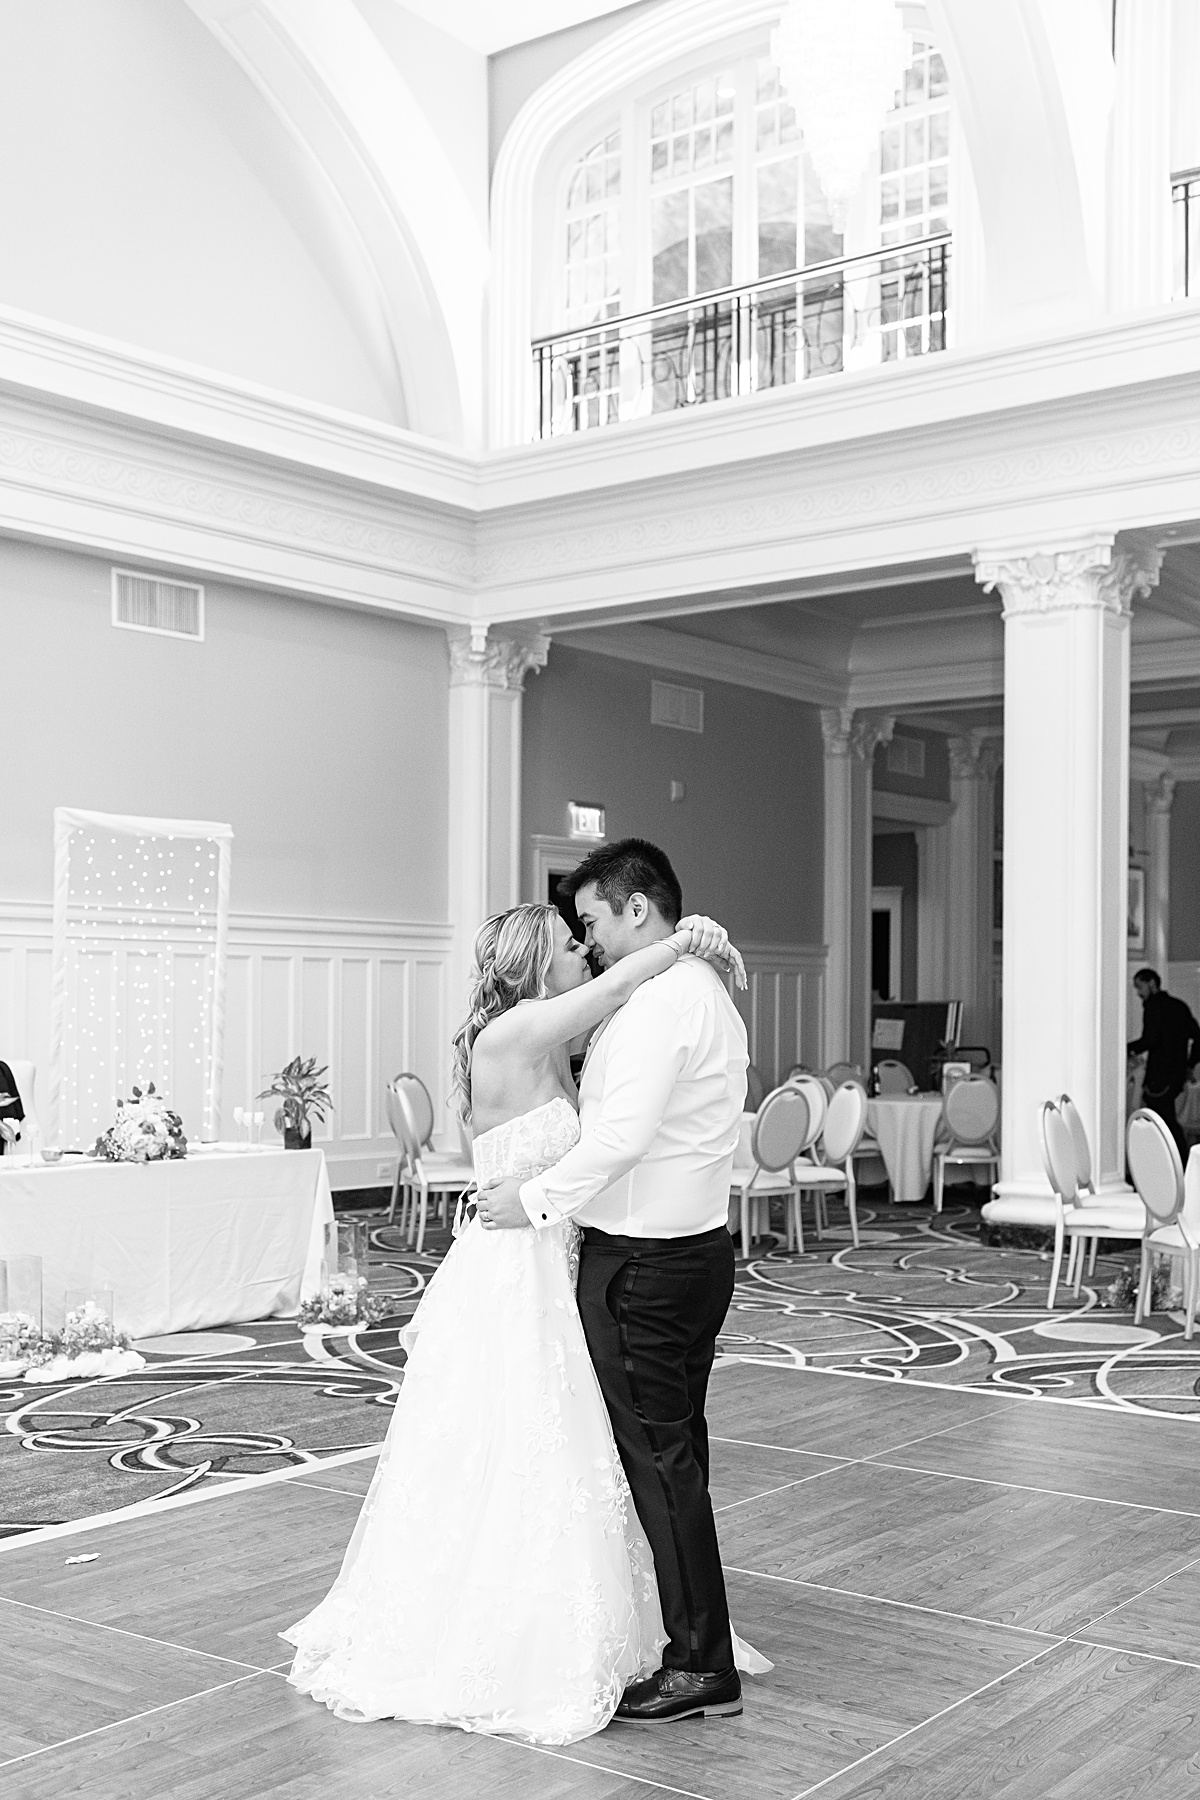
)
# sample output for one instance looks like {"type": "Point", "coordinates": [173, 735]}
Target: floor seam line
{"type": "Point", "coordinates": [1023, 1487]}
{"type": "Point", "coordinates": [769, 1493]}
{"type": "Point", "coordinates": [580, 1762]}
{"type": "Point", "coordinates": [141, 1637]}
{"type": "Point", "coordinates": [1183, 1568]}
{"type": "Point", "coordinates": [942, 1713]}
{"type": "Point", "coordinates": [936, 1612]}
{"type": "Point", "coordinates": [129, 1719]}
{"type": "Point", "coordinates": [1178, 1662]}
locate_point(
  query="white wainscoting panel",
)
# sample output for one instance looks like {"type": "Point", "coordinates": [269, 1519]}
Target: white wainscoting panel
{"type": "Point", "coordinates": [367, 997]}
{"type": "Point", "coordinates": [783, 1007]}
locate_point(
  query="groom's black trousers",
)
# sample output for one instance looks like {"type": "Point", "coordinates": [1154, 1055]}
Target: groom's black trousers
{"type": "Point", "coordinates": [651, 1311]}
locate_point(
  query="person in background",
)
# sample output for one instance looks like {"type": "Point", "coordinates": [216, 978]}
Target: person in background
{"type": "Point", "coordinates": [10, 1102]}
{"type": "Point", "coordinates": [1171, 1042]}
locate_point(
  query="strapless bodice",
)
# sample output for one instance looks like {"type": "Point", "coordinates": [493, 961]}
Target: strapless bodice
{"type": "Point", "coordinates": [526, 1145]}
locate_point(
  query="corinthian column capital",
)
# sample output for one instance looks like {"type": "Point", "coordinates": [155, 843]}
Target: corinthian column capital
{"type": "Point", "coordinates": [477, 660]}
{"type": "Point", "coordinates": [1160, 794]}
{"type": "Point", "coordinates": [973, 757]}
{"type": "Point", "coordinates": [837, 722]}
{"type": "Point", "coordinates": [871, 730]}
{"type": "Point", "coordinates": [1101, 574]}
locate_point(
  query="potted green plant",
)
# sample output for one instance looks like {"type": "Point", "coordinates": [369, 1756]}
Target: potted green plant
{"type": "Point", "coordinates": [304, 1097]}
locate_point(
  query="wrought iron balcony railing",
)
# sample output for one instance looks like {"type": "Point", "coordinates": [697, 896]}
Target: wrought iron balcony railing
{"type": "Point", "coordinates": [881, 307]}
{"type": "Point", "coordinates": [1185, 198]}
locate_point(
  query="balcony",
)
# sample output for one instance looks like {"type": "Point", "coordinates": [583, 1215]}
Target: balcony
{"type": "Point", "coordinates": [852, 313]}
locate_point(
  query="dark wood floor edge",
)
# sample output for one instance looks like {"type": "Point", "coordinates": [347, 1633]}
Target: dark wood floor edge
{"type": "Point", "coordinates": [139, 1509]}
{"type": "Point", "coordinates": [1111, 1407]}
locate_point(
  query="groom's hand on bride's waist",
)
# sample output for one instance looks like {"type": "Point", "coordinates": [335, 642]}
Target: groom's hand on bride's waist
{"type": "Point", "coordinates": [500, 1208]}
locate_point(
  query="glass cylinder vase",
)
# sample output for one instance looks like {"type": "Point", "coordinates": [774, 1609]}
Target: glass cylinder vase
{"type": "Point", "coordinates": [21, 1289]}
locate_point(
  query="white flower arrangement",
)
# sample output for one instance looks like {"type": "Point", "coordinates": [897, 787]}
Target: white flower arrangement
{"type": "Point", "coordinates": [347, 1303]}
{"type": "Point", "coordinates": [86, 1347]}
{"type": "Point", "coordinates": [144, 1130]}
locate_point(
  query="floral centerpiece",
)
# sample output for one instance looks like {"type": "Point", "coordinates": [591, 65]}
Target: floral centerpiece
{"type": "Point", "coordinates": [304, 1096]}
{"type": "Point", "coordinates": [87, 1346]}
{"type": "Point", "coordinates": [347, 1302]}
{"type": "Point", "coordinates": [144, 1130]}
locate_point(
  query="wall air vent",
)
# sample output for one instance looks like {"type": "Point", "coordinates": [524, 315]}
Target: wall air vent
{"type": "Point", "coordinates": [147, 603]}
{"type": "Point", "coordinates": [680, 708]}
{"type": "Point", "coordinates": [906, 756]}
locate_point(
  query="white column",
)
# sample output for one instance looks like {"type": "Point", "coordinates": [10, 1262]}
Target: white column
{"type": "Point", "coordinates": [1066, 818]}
{"type": "Point", "coordinates": [933, 912]}
{"type": "Point", "coordinates": [973, 765]}
{"type": "Point", "coordinates": [849, 751]}
{"type": "Point", "coordinates": [1139, 225]}
{"type": "Point", "coordinates": [486, 680]}
{"type": "Point", "coordinates": [836, 724]}
{"type": "Point", "coordinates": [1158, 797]}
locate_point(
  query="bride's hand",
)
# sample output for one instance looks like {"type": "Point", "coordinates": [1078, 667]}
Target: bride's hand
{"type": "Point", "coordinates": [710, 942]}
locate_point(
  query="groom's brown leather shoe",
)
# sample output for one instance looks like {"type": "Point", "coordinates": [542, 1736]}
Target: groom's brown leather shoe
{"type": "Point", "coordinates": [680, 1694]}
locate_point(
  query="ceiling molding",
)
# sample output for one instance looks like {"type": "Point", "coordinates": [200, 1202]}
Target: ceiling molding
{"type": "Point", "coordinates": [899, 689]}
{"type": "Point", "coordinates": [909, 809]}
{"type": "Point", "coordinates": [682, 654]}
{"type": "Point", "coordinates": [1146, 764]}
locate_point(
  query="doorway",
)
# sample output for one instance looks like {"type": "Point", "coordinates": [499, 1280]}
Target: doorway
{"type": "Point", "coordinates": [887, 912]}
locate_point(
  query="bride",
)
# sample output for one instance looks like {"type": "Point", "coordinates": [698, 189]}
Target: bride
{"type": "Point", "coordinates": [498, 1578]}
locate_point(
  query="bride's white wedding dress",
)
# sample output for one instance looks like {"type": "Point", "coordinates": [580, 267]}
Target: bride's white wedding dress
{"type": "Point", "coordinates": [498, 1578]}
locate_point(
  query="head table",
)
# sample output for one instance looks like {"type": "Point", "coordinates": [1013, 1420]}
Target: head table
{"type": "Point", "coordinates": [220, 1236]}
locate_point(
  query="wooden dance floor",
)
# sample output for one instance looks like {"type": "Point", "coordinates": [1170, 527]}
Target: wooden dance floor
{"type": "Point", "coordinates": [963, 1594]}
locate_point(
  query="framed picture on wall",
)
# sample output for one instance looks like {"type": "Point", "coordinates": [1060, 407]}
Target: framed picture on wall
{"type": "Point", "coordinates": [1136, 928]}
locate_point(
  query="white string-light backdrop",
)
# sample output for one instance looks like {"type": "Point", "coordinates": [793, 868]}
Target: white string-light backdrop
{"type": "Point", "coordinates": [141, 917]}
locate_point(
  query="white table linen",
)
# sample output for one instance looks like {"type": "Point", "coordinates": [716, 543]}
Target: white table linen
{"type": "Point", "coordinates": [906, 1126]}
{"type": "Point", "coordinates": [215, 1238]}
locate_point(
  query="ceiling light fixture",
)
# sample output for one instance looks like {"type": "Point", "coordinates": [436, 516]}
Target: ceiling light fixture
{"type": "Point", "coordinates": [841, 62]}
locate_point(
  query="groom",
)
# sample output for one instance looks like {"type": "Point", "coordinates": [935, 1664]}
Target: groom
{"type": "Point", "coordinates": [660, 1101]}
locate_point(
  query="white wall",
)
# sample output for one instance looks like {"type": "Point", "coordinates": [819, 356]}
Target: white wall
{"type": "Point", "coordinates": [320, 736]}
{"type": "Point", "coordinates": [147, 193]}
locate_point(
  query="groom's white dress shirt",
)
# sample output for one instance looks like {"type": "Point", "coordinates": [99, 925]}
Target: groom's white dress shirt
{"type": "Point", "coordinates": [660, 1105]}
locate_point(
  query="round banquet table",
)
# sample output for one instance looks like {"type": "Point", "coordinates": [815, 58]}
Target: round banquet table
{"type": "Point", "coordinates": [906, 1126]}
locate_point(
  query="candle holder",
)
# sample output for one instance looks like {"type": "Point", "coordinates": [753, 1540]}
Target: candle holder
{"type": "Point", "coordinates": [353, 1242]}
{"type": "Point", "coordinates": [20, 1293]}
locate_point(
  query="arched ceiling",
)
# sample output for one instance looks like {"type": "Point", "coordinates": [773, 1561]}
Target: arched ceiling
{"type": "Point", "coordinates": [323, 71]}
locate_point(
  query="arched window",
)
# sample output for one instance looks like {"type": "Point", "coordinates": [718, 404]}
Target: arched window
{"type": "Point", "coordinates": [592, 286]}
{"type": "Point", "coordinates": [691, 189]}
{"type": "Point", "coordinates": [701, 190]}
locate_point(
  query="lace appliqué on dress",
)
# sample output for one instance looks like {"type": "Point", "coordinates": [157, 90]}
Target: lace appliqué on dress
{"type": "Point", "coordinates": [498, 1578]}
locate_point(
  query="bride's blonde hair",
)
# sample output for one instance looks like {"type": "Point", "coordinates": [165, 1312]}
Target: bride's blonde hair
{"type": "Point", "coordinates": [513, 952]}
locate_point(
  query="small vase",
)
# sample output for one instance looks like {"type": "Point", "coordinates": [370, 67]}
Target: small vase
{"type": "Point", "coordinates": [297, 1137]}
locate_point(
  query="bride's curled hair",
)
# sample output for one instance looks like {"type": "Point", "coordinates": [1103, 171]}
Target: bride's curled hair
{"type": "Point", "coordinates": [513, 953]}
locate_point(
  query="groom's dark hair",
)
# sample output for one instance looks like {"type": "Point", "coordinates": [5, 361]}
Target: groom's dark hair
{"type": "Point", "coordinates": [630, 866]}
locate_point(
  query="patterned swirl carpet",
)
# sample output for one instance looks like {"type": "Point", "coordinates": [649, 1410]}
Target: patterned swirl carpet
{"type": "Point", "coordinates": [922, 1299]}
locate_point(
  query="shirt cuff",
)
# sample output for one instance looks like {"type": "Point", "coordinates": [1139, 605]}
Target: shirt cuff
{"type": "Point", "coordinates": [541, 1211]}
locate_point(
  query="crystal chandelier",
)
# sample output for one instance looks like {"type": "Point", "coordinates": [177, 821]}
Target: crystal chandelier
{"type": "Point", "coordinates": [840, 62]}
